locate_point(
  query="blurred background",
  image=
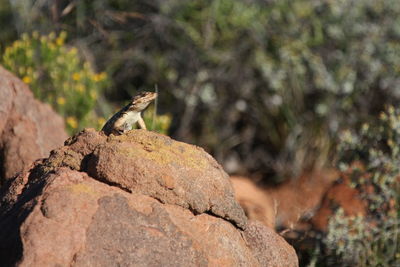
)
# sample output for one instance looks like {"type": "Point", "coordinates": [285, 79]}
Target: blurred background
{"type": "Point", "coordinates": [266, 86]}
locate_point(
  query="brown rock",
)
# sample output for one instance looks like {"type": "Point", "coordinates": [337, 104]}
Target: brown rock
{"type": "Point", "coordinates": [56, 214]}
{"type": "Point", "coordinates": [154, 165]}
{"type": "Point", "coordinates": [182, 174]}
{"type": "Point", "coordinates": [342, 195]}
{"type": "Point", "coordinates": [29, 129]}
{"type": "Point", "coordinates": [298, 199]}
{"type": "Point", "coordinates": [256, 202]}
{"type": "Point", "coordinates": [261, 238]}
{"type": "Point", "coordinates": [287, 205]}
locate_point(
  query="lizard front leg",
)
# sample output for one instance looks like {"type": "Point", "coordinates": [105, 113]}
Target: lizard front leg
{"type": "Point", "coordinates": [118, 131]}
{"type": "Point", "coordinates": [141, 123]}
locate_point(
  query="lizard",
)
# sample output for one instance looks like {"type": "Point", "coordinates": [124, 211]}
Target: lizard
{"type": "Point", "coordinates": [123, 120]}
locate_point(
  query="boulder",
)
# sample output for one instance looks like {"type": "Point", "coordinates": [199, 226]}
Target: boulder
{"type": "Point", "coordinates": [140, 199]}
{"type": "Point", "coordinates": [29, 129]}
{"type": "Point", "coordinates": [343, 195]}
{"type": "Point", "coordinates": [261, 238]}
{"type": "Point", "coordinates": [299, 198]}
{"type": "Point", "coordinates": [255, 201]}
{"type": "Point", "coordinates": [289, 205]}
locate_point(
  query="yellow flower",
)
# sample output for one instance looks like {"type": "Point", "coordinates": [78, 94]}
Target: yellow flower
{"type": "Point", "coordinates": [80, 88]}
{"type": "Point", "coordinates": [76, 76]}
{"type": "Point", "coordinates": [59, 41]}
{"type": "Point", "coordinates": [71, 121]}
{"type": "Point", "coordinates": [61, 101]}
{"type": "Point", "coordinates": [101, 121]}
{"type": "Point", "coordinates": [27, 79]}
{"type": "Point", "coordinates": [99, 76]}
{"type": "Point", "coordinates": [96, 77]}
{"type": "Point", "coordinates": [35, 34]}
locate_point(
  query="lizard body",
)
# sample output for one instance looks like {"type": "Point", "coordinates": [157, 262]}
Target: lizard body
{"type": "Point", "coordinates": [123, 120]}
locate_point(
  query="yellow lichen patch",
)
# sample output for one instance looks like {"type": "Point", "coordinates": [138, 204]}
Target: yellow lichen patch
{"type": "Point", "coordinates": [62, 157]}
{"type": "Point", "coordinates": [82, 189]}
{"type": "Point", "coordinates": [161, 149]}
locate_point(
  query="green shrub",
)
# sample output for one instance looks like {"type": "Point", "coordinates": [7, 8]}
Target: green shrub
{"type": "Point", "coordinates": [373, 240]}
{"type": "Point", "coordinates": [57, 75]}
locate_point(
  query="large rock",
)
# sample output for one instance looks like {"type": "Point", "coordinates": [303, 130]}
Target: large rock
{"type": "Point", "coordinates": [286, 206]}
{"type": "Point", "coordinates": [140, 199]}
{"type": "Point", "coordinates": [154, 165]}
{"type": "Point", "coordinates": [29, 129]}
{"type": "Point", "coordinates": [261, 238]}
{"type": "Point", "coordinates": [298, 199]}
{"type": "Point", "coordinates": [255, 201]}
{"type": "Point", "coordinates": [343, 195]}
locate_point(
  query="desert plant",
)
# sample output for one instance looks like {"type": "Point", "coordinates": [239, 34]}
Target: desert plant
{"type": "Point", "coordinates": [56, 75]}
{"type": "Point", "coordinates": [372, 240]}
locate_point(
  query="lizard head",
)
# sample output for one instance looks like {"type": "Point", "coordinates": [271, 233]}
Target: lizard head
{"type": "Point", "coordinates": [142, 100]}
